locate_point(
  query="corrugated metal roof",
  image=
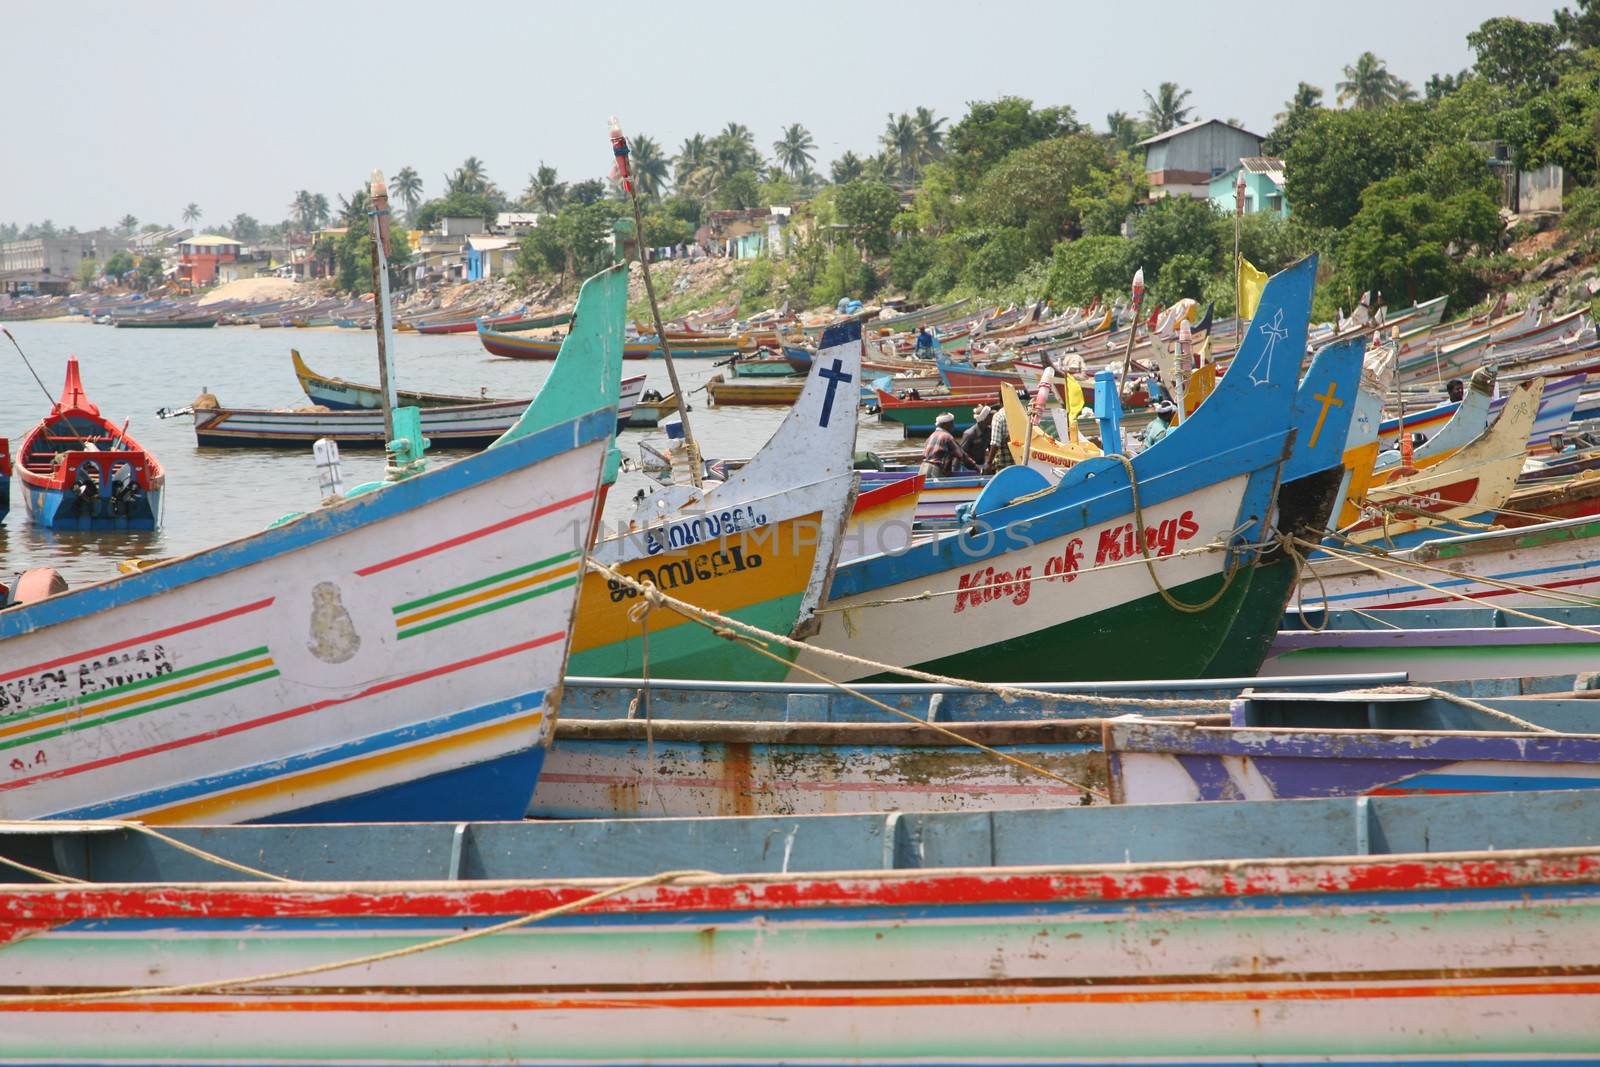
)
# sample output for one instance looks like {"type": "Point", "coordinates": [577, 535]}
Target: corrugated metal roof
{"type": "Point", "coordinates": [1267, 165]}
{"type": "Point", "coordinates": [1197, 124]}
{"type": "Point", "coordinates": [208, 240]}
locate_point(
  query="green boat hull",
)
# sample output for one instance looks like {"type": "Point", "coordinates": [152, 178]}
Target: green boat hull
{"type": "Point", "coordinates": [1138, 640]}
{"type": "Point", "coordinates": [690, 650]}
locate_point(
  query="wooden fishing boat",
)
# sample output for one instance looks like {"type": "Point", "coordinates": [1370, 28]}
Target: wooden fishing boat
{"type": "Point", "coordinates": [940, 498]}
{"type": "Point", "coordinates": [514, 347]}
{"type": "Point", "coordinates": [469, 426]}
{"type": "Point", "coordinates": [5, 477]}
{"type": "Point", "coordinates": [1438, 645]}
{"type": "Point", "coordinates": [164, 322]}
{"type": "Point", "coordinates": [536, 322]}
{"type": "Point", "coordinates": [80, 471]}
{"type": "Point", "coordinates": [1369, 930]}
{"type": "Point", "coordinates": [1467, 421]}
{"type": "Point", "coordinates": [760, 546]}
{"type": "Point", "coordinates": [1575, 498]}
{"type": "Point", "coordinates": [1288, 746]}
{"type": "Point", "coordinates": [1043, 452]}
{"type": "Point", "coordinates": [737, 392]}
{"type": "Point", "coordinates": [916, 415]}
{"type": "Point", "coordinates": [883, 517]}
{"type": "Point", "coordinates": [696, 749]}
{"type": "Point", "coordinates": [1468, 485]}
{"type": "Point", "coordinates": [337, 394]}
{"type": "Point", "coordinates": [651, 408]}
{"type": "Point", "coordinates": [468, 325]}
{"type": "Point", "coordinates": [1534, 566]}
{"type": "Point", "coordinates": [395, 655]}
{"type": "Point", "coordinates": [1023, 566]}
{"type": "Point", "coordinates": [766, 367]}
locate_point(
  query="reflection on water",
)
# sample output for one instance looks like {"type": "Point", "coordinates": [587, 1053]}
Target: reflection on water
{"type": "Point", "coordinates": [216, 495]}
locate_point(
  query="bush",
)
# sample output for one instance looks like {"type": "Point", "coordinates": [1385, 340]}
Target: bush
{"type": "Point", "coordinates": [1086, 268]}
{"type": "Point", "coordinates": [844, 274]}
{"type": "Point", "coordinates": [999, 260]}
{"type": "Point", "coordinates": [910, 261]}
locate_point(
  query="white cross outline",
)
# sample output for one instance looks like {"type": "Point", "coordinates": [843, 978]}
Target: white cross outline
{"type": "Point", "coordinates": [1274, 332]}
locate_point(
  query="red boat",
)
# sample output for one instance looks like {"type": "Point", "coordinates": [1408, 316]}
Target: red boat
{"type": "Point", "coordinates": [81, 472]}
{"type": "Point", "coordinates": [468, 325]}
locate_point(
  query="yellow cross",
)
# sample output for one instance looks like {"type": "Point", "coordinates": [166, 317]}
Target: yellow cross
{"type": "Point", "coordinates": [1327, 401]}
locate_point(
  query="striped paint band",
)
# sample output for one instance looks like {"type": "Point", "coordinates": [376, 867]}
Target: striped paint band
{"type": "Point", "coordinates": [1506, 576]}
{"type": "Point", "coordinates": [461, 539]}
{"type": "Point", "coordinates": [486, 595]}
{"type": "Point", "coordinates": [116, 696]}
{"type": "Point", "coordinates": [243, 726]}
{"type": "Point", "coordinates": [405, 1001]}
{"type": "Point", "coordinates": [154, 635]}
{"type": "Point", "coordinates": [186, 801]}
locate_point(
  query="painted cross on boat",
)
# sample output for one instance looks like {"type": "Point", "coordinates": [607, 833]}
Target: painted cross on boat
{"type": "Point", "coordinates": [1274, 332]}
{"type": "Point", "coordinates": [836, 376]}
{"type": "Point", "coordinates": [1328, 400]}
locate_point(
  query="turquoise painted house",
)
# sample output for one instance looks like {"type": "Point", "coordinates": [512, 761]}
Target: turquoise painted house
{"type": "Point", "coordinates": [1263, 186]}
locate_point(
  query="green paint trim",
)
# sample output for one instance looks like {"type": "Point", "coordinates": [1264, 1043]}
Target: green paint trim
{"type": "Point", "coordinates": [484, 609]}
{"type": "Point", "coordinates": [434, 598]}
{"type": "Point", "coordinates": [690, 650]}
{"type": "Point", "coordinates": [129, 687]}
{"type": "Point", "coordinates": [84, 724]}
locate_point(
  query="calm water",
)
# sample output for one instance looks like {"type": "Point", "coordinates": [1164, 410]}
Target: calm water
{"type": "Point", "coordinates": [215, 495]}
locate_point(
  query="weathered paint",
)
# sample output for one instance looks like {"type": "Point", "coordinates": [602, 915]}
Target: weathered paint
{"type": "Point", "coordinates": [1158, 763]}
{"type": "Point", "coordinates": [1487, 955]}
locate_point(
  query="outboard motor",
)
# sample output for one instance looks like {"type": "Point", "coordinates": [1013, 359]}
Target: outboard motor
{"type": "Point", "coordinates": [125, 491]}
{"type": "Point", "coordinates": [85, 489]}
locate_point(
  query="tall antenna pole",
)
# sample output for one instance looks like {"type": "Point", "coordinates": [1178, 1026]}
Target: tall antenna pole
{"type": "Point", "coordinates": [619, 149]}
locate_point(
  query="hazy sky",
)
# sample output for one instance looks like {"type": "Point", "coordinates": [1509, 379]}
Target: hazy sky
{"type": "Point", "coordinates": [142, 106]}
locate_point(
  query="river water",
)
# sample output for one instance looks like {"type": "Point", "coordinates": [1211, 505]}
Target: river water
{"type": "Point", "coordinates": [216, 495]}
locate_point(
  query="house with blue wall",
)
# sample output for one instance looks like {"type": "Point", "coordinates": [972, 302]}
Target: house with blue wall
{"type": "Point", "coordinates": [490, 257]}
{"type": "Point", "coordinates": [1183, 160]}
{"type": "Point", "coordinates": [1263, 187]}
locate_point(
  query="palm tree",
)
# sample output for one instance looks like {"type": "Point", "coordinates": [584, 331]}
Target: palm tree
{"type": "Point", "coordinates": [468, 178]}
{"type": "Point", "coordinates": [793, 149]}
{"type": "Point", "coordinates": [650, 167]}
{"type": "Point", "coordinates": [738, 134]}
{"type": "Point", "coordinates": [847, 168]}
{"type": "Point", "coordinates": [407, 185]}
{"type": "Point", "coordinates": [191, 214]}
{"type": "Point", "coordinates": [1306, 96]}
{"type": "Point", "coordinates": [930, 136]}
{"type": "Point", "coordinates": [353, 210]}
{"type": "Point", "coordinates": [127, 224]}
{"type": "Point", "coordinates": [1166, 108]}
{"type": "Point", "coordinates": [320, 212]}
{"type": "Point", "coordinates": [544, 191]}
{"type": "Point", "coordinates": [690, 158]}
{"type": "Point", "coordinates": [1368, 85]}
{"type": "Point", "coordinates": [1123, 129]}
{"type": "Point", "coordinates": [899, 140]}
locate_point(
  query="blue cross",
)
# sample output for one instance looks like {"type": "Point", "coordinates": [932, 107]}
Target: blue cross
{"type": "Point", "coordinates": [835, 376]}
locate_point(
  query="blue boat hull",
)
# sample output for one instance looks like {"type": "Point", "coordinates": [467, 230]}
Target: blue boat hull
{"type": "Point", "coordinates": [496, 790]}
{"type": "Point", "coordinates": [57, 509]}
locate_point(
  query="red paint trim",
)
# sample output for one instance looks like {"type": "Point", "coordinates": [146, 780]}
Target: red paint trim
{"type": "Point", "coordinates": [910, 485]}
{"type": "Point", "coordinates": [473, 536]}
{"type": "Point", "coordinates": [47, 904]}
{"type": "Point", "coordinates": [1486, 595]}
{"type": "Point", "coordinates": [280, 716]}
{"type": "Point", "coordinates": [407, 1002]}
{"type": "Point", "coordinates": [154, 635]}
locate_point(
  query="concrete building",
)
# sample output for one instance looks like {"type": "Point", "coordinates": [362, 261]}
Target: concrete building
{"type": "Point", "coordinates": [515, 223]}
{"type": "Point", "coordinates": [1182, 161]}
{"type": "Point", "coordinates": [462, 225]}
{"type": "Point", "coordinates": [58, 257]}
{"type": "Point", "coordinates": [200, 256]}
{"type": "Point", "coordinates": [1263, 187]}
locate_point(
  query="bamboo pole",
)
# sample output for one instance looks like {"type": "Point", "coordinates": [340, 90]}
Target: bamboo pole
{"type": "Point", "coordinates": [619, 149]}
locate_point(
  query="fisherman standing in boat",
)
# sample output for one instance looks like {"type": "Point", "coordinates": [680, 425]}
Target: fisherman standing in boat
{"type": "Point", "coordinates": [975, 442]}
{"type": "Point", "coordinates": [943, 455]}
{"type": "Point", "coordinates": [924, 349]}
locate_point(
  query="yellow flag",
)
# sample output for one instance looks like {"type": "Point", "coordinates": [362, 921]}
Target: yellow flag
{"type": "Point", "coordinates": [1251, 282]}
{"type": "Point", "coordinates": [1074, 394]}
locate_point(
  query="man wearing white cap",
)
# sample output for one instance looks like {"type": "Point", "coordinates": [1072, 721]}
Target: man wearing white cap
{"type": "Point", "coordinates": [943, 456]}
